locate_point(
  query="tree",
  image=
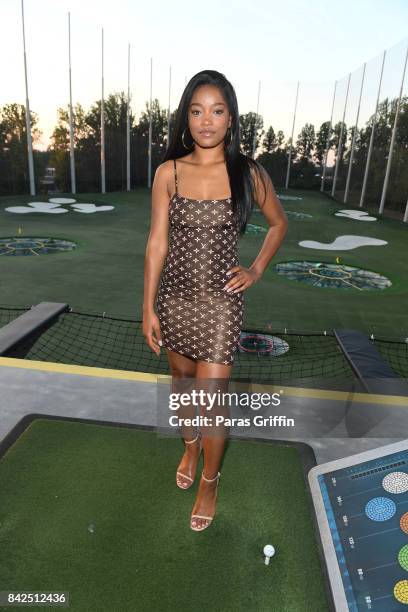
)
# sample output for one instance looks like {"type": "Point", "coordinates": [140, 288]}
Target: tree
{"type": "Point", "coordinates": [275, 163]}
{"type": "Point", "coordinates": [115, 139]}
{"type": "Point", "coordinates": [250, 124]}
{"type": "Point", "coordinates": [140, 140]}
{"type": "Point", "coordinates": [305, 142]}
{"type": "Point", "coordinates": [269, 143]}
{"type": "Point", "coordinates": [87, 141]}
{"type": "Point", "coordinates": [307, 154]}
{"type": "Point", "coordinates": [13, 148]}
{"type": "Point", "coordinates": [280, 138]}
{"type": "Point", "coordinates": [398, 180]}
{"type": "Point", "coordinates": [321, 142]}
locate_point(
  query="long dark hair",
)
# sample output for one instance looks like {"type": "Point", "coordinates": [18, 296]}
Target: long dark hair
{"type": "Point", "coordinates": [238, 165]}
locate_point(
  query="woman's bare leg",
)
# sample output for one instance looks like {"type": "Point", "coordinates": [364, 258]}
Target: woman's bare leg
{"type": "Point", "coordinates": [213, 378]}
{"type": "Point", "coordinates": [183, 370]}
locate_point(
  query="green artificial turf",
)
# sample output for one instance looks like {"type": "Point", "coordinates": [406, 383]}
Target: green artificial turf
{"type": "Point", "coordinates": [105, 272]}
{"type": "Point", "coordinates": [60, 477]}
{"type": "Point", "coordinates": [303, 307]}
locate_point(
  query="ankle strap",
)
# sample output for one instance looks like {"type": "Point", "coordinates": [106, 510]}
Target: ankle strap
{"type": "Point", "coordinates": [212, 479]}
{"type": "Point", "coordinates": [191, 441]}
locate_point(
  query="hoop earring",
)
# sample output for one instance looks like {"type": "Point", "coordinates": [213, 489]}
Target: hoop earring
{"type": "Point", "coordinates": [182, 140]}
{"type": "Point", "coordinates": [230, 133]}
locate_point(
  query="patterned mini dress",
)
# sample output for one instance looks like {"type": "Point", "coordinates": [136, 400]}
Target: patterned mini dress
{"type": "Point", "coordinates": [198, 318]}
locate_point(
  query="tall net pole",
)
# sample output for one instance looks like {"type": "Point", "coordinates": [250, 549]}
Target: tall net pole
{"type": "Point", "coordinates": [353, 141]}
{"type": "Point", "coordinates": [329, 133]}
{"type": "Point", "coordinates": [28, 118]}
{"type": "Point", "coordinates": [394, 131]}
{"type": "Point", "coordinates": [291, 139]}
{"type": "Point", "coordinates": [103, 177]}
{"type": "Point", "coordinates": [128, 128]}
{"type": "Point", "coordinates": [149, 168]}
{"type": "Point", "coordinates": [256, 121]}
{"type": "Point", "coordinates": [340, 145]}
{"type": "Point", "coordinates": [71, 122]}
{"type": "Point", "coordinates": [370, 146]}
{"type": "Point", "coordinates": [168, 112]}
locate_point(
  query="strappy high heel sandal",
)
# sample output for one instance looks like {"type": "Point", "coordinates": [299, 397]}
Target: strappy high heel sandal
{"type": "Point", "coordinates": [198, 437]}
{"type": "Point", "coordinates": [200, 516]}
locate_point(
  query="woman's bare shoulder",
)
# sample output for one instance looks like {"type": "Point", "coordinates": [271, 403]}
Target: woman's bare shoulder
{"type": "Point", "coordinates": [164, 174]}
{"type": "Point", "coordinates": [166, 167]}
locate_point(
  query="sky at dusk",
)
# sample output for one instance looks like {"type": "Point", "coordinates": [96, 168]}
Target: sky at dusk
{"type": "Point", "coordinates": [275, 43]}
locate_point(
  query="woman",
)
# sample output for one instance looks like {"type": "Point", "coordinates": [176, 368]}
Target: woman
{"type": "Point", "coordinates": [204, 192]}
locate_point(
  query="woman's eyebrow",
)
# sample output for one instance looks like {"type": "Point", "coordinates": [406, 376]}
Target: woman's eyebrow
{"type": "Point", "coordinates": [215, 104]}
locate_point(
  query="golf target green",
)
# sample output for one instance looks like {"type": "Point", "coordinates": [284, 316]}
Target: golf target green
{"type": "Point", "coordinates": [261, 344]}
{"type": "Point", "coordinates": [34, 246]}
{"type": "Point", "coordinates": [332, 276]}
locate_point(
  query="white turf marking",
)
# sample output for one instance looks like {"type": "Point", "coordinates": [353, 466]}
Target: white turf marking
{"type": "Point", "coordinates": [39, 207]}
{"type": "Point", "coordinates": [358, 215]}
{"type": "Point", "coordinates": [62, 200]}
{"type": "Point", "coordinates": [90, 208]}
{"type": "Point", "coordinates": [53, 207]}
{"type": "Point", "coordinates": [343, 243]}
{"type": "Point", "coordinates": [43, 204]}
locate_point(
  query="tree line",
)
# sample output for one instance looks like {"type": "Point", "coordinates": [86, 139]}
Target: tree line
{"type": "Point", "coordinates": [272, 148]}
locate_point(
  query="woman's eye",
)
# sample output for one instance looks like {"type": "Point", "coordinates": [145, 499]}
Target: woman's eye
{"type": "Point", "coordinates": [197, 111]}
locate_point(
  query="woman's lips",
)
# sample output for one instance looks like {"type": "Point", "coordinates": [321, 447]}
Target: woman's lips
{"type": "Point", "coordinates": [207, 134]}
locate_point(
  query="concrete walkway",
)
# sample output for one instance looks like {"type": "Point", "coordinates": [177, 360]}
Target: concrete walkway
{"type": "Point", "coordinates": [25, 390]}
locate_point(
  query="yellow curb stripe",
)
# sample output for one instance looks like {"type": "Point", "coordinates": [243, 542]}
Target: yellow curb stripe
{"type": "Point", "coordinates": [65, 368]}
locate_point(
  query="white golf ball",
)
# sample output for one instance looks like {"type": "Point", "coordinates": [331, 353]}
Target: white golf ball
{"type": "Point", "coordinates": [269, 550]}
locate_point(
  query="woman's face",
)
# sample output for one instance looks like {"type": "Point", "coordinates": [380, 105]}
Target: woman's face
{"type": "Point", "coordinates": [208, 116]}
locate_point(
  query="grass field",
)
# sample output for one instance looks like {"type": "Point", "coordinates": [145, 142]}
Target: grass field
{"type": "Point", "coordinates": [111, 527]}
{"type": "Point", "coordinates": [105, 272]}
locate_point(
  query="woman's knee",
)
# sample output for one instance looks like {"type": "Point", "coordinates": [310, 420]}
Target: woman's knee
{"type": "Point", "coordinates": [181, 366]}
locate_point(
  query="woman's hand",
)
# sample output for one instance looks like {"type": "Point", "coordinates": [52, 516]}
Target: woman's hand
{"type": "Point", "coordinates": [243, 278]}
{"type": "Point", "coordinates": [151, 331]}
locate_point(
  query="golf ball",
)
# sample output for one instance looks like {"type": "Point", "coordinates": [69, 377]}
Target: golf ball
{"type": "Point", "coordinates": [269, 550]}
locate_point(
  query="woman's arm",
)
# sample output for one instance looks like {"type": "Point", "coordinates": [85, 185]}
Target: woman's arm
{"type": "Point", "coordinates": [156, 251]}
{"type": "Point", "coordinates": [278, 222]}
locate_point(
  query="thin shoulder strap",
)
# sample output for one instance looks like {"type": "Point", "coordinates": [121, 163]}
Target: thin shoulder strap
{"type": "Point", "coordinates": [175, 176]}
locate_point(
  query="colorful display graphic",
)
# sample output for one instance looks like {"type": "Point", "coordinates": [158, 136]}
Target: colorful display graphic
{"type": "Point", "coordinates": [366, 506]}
